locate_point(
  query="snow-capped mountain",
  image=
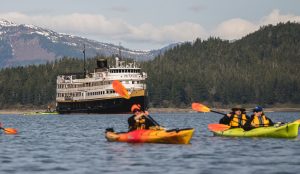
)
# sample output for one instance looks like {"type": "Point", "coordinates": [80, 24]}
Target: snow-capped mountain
{"type": "Point", "coordinates": [22, 44]}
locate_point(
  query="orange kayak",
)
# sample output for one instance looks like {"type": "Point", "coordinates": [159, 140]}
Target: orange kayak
{"type": "Point", "coordinates": [174, 136]}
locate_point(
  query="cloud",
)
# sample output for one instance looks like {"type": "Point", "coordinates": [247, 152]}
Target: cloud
{"type": "Point", "coordinates": [101, 28]}
{"type": "Point", "coordinates": [237, 28]}
{"type": "Point", "coordinates": [196, 8]}
{"type": "Point", "coordinates": [275, 17]}
{"type": "Point", "coordinates": [120, 8]}
{"type": "Point", "coordinates": [74, 23]}
{"type": "Point", "coordinates": [234, 29]}
{"type": "Point", "coordinates": [117, 29]}
{"type": "Point", "coordinates": [185, 31]}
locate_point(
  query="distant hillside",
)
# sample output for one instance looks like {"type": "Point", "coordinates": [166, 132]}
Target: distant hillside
{"type": "Point", "coordinates": [261, 68]}
{"type": "Point", "coordinates": [27, 44]}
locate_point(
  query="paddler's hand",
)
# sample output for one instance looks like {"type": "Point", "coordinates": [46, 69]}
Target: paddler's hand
{"type": "Point", "coordinates": [137, 117]}
{"type": "Point", "coordinates": [228, 115]}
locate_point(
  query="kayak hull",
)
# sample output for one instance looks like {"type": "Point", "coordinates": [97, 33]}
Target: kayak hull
{"type": "Point", "coordinates": [175, 136]}
{"type": "Point", "coordinates": [289, 130]}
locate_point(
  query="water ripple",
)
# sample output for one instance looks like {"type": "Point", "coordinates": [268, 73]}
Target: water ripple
{"type": "Point", "coordinates": [75, 144]}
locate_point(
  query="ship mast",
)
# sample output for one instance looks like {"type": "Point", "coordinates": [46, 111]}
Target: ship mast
{"type": "Point", "coordinates": [84, 70]}
{"type": "Point", "coordinates": [120, 51]}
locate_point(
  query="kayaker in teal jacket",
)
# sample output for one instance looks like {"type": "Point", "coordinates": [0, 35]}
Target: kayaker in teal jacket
{"type": "Point", "coordinates": [258, 119]}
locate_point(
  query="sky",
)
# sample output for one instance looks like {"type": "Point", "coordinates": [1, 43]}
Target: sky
{"type": "Point", "coordinates": [151, 24]}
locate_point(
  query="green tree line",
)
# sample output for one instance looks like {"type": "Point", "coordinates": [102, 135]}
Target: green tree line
{"type": "Point", "coordinates": [262, 68]}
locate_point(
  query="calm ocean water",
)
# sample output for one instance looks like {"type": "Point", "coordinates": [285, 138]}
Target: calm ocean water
{"type": "Point", "coordinates": [75, 144]}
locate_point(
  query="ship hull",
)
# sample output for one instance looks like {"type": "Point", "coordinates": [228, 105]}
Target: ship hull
{"type": "Point", "coordinates": [101, 106]}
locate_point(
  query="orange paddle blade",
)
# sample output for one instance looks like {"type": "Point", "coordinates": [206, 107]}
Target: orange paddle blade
{"type": "Point", "coordinates": [10, 130]}
{"type": "Point", "coordinates": [120, 89]}
{"type": "Point", "coordinates": [217, 127]}
{"type": "Point", "coordinates": [200, 107]}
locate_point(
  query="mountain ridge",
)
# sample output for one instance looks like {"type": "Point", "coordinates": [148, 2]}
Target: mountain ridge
{"type": "Point", "coordinates": [23, 44]}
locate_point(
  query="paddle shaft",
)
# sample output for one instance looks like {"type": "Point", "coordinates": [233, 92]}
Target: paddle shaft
{"type": "Point", "coordinates": [217, 112]}
{"type": "Point", "coordinates": [153, 120]}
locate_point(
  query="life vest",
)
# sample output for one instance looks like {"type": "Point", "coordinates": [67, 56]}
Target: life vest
{"type": "Point", "coordinates": [261, 121]}
{"type": "Point", "coordinates": [140, 123]}
{"type": "Point", "coordinates": [238, 121]}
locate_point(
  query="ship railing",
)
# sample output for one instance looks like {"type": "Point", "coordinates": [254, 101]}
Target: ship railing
{"type": "Point", "coordinates": [68, 98]}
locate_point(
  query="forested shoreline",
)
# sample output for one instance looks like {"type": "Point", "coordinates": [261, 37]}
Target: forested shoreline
{"type": "Point", "coordinates": [261, 68]}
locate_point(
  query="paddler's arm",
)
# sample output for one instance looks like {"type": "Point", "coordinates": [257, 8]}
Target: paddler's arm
{"type": "Point", "coordinates": [226, 119]}
{"type": "Point", "coordinates": [270, 122]}
{"type": "Point", "coordinates": [131, 123]}
{"type": "Point", "coordinates": [247, 126]}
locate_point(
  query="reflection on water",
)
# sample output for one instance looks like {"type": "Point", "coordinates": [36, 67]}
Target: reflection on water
{"type": "Point", "coordinates": [76, 144]}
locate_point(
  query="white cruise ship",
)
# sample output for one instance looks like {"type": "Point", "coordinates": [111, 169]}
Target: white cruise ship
{"type": "Point", "coordinates": [93, 92]}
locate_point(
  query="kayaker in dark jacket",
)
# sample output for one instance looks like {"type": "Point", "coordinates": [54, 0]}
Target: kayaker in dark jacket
{"type": "Point", "coordinates": [140, 119]}
{"type": "Point", "coordinates": [258, 119]}
{"type": "Point", "coordinates": [236, 118]}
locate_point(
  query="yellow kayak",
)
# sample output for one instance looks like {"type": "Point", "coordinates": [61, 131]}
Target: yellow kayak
{"type": "Point", "coordinates": [174, 136]}
{"type": "Point", "coordinates": [288, 130]}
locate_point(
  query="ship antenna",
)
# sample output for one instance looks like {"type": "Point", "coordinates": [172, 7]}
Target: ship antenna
{"type": "Point", "coordinates": [84, 70]}
{"type": "Point", "coordinates": [120, 50]}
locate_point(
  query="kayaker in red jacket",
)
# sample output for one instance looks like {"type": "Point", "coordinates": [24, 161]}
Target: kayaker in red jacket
{"type": "Point", "coordinates": [258, 119]}
{"type": "Point", "coordinates": [236, 118]}
{"type": "Point", "coordinates": [140, 119]}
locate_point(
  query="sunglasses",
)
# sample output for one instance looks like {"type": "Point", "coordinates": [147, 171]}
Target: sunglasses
{"type": "Point", "coordinates": [136, 111]}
